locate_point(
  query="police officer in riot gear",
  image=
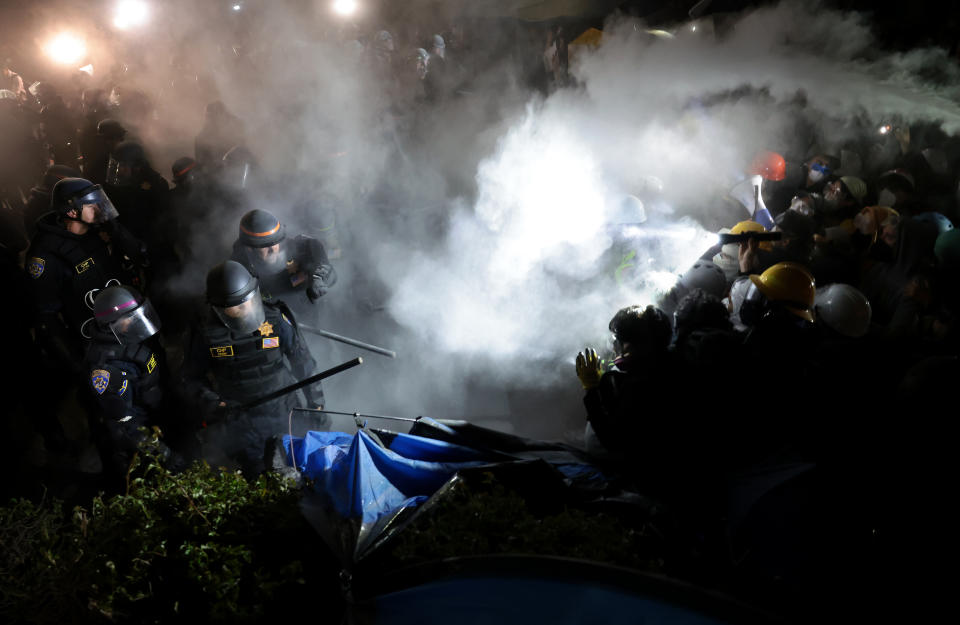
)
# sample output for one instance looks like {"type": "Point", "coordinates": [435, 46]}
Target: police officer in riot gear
{"type": "Point", "coordinates": [97, 149]}
{"type": "Point", "coordinates": [296, 271]}
{"type": "Point", "coordinates": [249, 348]}
{"type": "Point", "coordinates": [143, 199]}
{"type": "Point", "coordinates": [125, 366]}
{"type": "Point", "coordinates": [79, 249]}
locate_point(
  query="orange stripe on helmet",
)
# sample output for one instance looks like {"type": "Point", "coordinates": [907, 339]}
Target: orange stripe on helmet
{"type": "Point", "coordinates": [261, 234]}
{"type": "Point", "coordinates": [185, 169]}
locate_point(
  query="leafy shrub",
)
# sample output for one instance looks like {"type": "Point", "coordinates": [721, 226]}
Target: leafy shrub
{"type": "Point", "coordinates": [205, 543]}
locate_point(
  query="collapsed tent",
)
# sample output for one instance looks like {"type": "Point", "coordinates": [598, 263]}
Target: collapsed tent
{"type": "Point", "coordinates": [368, 485]}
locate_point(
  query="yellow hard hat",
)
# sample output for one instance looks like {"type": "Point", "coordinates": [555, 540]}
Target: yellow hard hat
{"type": "Point", "coordinates": [791, 284]}
{"type": "Point", "coordinates": [747, 226]}
{"type": "Point", "coordinates": [752, 226]}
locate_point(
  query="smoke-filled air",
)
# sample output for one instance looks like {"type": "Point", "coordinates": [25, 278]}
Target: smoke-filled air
{"type": "Point", "coordinates": [482, 238]}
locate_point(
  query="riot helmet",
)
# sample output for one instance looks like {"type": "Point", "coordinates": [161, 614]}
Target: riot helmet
{"type": "Point", "coordinates": [264, 241]}
{"type": "Point", "coordinates": [234, 295]}
{"type": "Point", "coordinates": [126, 161]}
{"type": "Point", "coordinates": [111, 129]}
{"type": "Point", "coordinates": [129, 316]}
{"type": "Point", "coordinates": [184, 170]}
{"type": "Point", "coordinates": [91, 204]}
{"type": "Point", "coordinates": [56, 173]}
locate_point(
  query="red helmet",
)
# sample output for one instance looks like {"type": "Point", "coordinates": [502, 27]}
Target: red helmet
{"type": "Point", "coordinates": [770, 165]}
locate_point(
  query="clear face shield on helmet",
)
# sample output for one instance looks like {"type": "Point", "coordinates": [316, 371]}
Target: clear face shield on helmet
{"type": "Point", "coordinates": [95, 207]}
{"type": "Point", "coordinates": [137, 325]}
{"type": "Point", "coordinates": [120, 173]}
{"type": "Point", "coordinates": [246, 316]}
{"type": "Point", "coordinates": [754, 305]}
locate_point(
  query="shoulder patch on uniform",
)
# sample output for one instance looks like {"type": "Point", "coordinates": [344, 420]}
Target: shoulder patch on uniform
{"type": "Point", "coordinates": [271, 342]}
{"type": "Point", "coordinates": [152, 363]}
{"type": "Point", "coordinates": [221, 351]}
{"type": "Point", "coordinates": [123, 387]}
{"type": "Point", "coordinates": [35, 267]}
{"type": "Point", "coordinates": [100, 379]}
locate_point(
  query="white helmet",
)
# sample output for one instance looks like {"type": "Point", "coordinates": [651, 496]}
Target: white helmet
{"type": "Point", "coordinates": [844, 309]}
{"type": "Point", "coordinates": [706, 275]}
{"type": "Point", "coordinates": [628, 210]}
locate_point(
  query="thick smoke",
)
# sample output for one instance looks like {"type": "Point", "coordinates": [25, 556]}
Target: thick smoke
{"type": "Point", "coordinates": [478, 237]}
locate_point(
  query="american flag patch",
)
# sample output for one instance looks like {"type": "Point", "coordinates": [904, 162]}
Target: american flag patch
{"type": "Point", "coordinates": [270, 342]}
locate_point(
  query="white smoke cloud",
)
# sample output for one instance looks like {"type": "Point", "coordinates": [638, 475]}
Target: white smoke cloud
{"type": "Point", "coordinates": [477, 232]}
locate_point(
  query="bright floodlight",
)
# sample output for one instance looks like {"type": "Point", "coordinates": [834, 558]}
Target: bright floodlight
{"type": "Point", "coordinates": [237, 7]}
{"type": "Point", "coordinates": [345, 7]}
{"type": "Point", "coordinates": [66, 48]}
{"type": "Point", "coordinates": [130, 14]}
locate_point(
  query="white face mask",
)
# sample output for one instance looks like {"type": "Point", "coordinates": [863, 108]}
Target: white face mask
{"type": "Point", "coordinates": [886, 198]}
{"type": "Point", "coordinates": [814, 176]}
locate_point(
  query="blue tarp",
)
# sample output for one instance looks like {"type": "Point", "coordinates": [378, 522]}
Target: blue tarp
{"type": "Point", "coordinates": [367, 481]}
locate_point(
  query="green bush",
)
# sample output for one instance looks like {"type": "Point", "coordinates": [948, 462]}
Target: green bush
{"type": "Point", "coordinates": [205, 543]}
{"type": "Point", "coordinates": [483, 516]}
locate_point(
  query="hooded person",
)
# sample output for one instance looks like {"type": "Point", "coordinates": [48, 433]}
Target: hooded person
{"type": "Point", "coordinates": [887, 283]}
{"type": "Point", "coordinates": [621, 404]}
{"type": "Point", "coordinates": [897, 189]}
{"type": "Point", "coordinates": [797, 243]}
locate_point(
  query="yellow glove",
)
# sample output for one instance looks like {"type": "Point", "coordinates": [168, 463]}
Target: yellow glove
{"type": "Point", "coordinates": [588, 368]}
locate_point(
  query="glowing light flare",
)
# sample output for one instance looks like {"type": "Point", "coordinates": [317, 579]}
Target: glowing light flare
{"type": "Point", "coordinates": [130, 14]}
{"type": "Point", "coordinates": [87, 69]}
{"type": "Point", "coordinates": [66, 49]}
{"type": "Point", "coordinates": [237, 7]}
{"type": "Point", "coordinates": [345, 7]}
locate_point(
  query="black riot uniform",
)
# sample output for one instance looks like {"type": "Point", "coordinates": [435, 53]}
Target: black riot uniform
{"type": "Point", "coordinates": [247, 348]}
{"type": "Point", "coordinates": [296, 271]}
{"type": "Point", "coordinates": [125, 366]}
{"type": "Point", "coordinates": [143, 198]}
{"type": "Point", "coordinates": [67, 269]}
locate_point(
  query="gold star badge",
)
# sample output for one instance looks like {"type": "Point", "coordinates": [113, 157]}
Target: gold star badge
{"type": "Point", "coordinates": [266, 329]}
